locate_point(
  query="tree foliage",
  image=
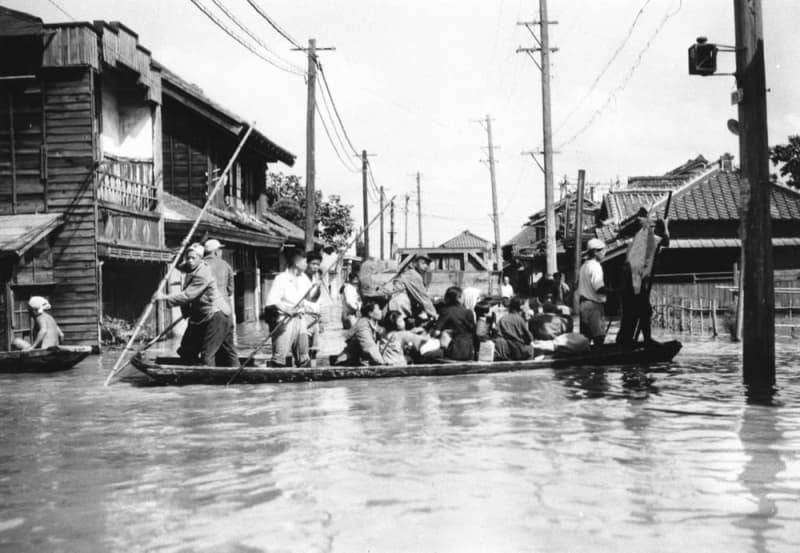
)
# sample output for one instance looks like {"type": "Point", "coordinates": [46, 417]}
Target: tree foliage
{"type": "Point", "coordinates": [287, 197]}
{"type": "Point", "coordinates": [787, 158]}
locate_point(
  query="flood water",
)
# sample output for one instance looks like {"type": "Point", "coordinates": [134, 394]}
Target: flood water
{"type": "Point", "coordinates": [575, 460]}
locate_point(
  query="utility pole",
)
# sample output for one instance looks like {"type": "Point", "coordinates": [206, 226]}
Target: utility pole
{"type": "Point", "coordinates": [547, 134]}
{"type": "Point", "coordinates": [391, 230]}
{"type": "Point", "coordinates": [578, 238]}
{"type": "Point", "coordinates": [419, 210]}
{"type": "Point", "coordinates": [758, 337]}
{"type": "Point", "coordinates": [381, 226]}
{"type": "Point", "coordinates": [495, 215]}
{"type": "Point", "coordinates": [365, 201]}
{"type": "Point", "coordinates": [311, 106]}
{"type": "Point", "coordinates": [405, 226]}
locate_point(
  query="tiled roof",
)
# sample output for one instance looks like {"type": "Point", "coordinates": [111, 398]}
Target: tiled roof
{"type": "Point", "coordinates": [291, 230]}
{"type": "Point", "coordinates": [657, 183]}
{"type": "Point", "coordinates": [467, 240]}
{"type": "Point", "coordinates": [716, 198]}
{"type": "Point", "coordinates": [178, 210]}
{"type": "Point", "coordinates": [621, 204]}
{"type": "Point", "coordinates": [690, 168]}
{"type": "Point", "coordinates": [525, 238]}
{"type": "Point", "coordinates": [560, 206]}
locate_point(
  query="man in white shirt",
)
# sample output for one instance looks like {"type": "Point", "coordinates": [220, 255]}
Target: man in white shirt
{"type": "Point", "coordinates": [506, 290]}
{"type": "Point", "coordinates": [289, 296]}
{"type": "Point", "coordinates": [592, 294]}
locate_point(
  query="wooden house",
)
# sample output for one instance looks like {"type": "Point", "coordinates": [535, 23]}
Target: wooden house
{"type": "Point", "coordinates": [199, 136]}
{"type": "Point", "coordinates": [78, 119]}
{"type": "Point", "coordinates": [83, 137]}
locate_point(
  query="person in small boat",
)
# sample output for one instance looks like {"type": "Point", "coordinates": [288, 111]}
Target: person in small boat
{"type": "Point", "coordinates": [209, 334]}
{"type": "Point", "coordinates": [313, 319]}
{"type": "Point", "coordinates": [459, 322]}
{"type": "Point", "coordinates": [222, 271]}
{"type": "Point", "coordinates": [351, 301]}
{"type": "Point", "coordinates": [401, 346]}
{"type": "Point", "coordinates": [635, 283]}
{"type": "Point", "coordinates": [592, 293]}
{"type": "Point", "coordinates": [287, 303]}
{"type": "Point", "coordinates": [362, 340]}
{"type": "Point", "coordinates": [46, 332]}
{"type": "Point", "coordinates": [513, 341]}
{"type": "Point", "coordinates": [548, 324]}
{"type": "Point", "coordinates": [408, 293]}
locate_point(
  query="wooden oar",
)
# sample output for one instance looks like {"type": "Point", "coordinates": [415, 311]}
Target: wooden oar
{"type": "Point", "coordinates": [179, 254]}
{"type": "Point", "coordinates": [153, 341]}
{"type": "Point", "coordinates": [288, 316]}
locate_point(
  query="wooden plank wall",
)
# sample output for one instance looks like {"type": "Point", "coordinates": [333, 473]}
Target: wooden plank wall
{"type": "Point", "coordinates": [69, 111]}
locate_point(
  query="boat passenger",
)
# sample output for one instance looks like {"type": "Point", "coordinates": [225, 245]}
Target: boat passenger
{"type": "Point", "coordinates": [470, 296]}
{"type": "Point", "coordinates": [313, 319]}
{"type": "Point", "coordinates": [46, 333]}
{"type": "Point", "coordinates": [636, 280]}
{"type": "Point", "coordinates": [362, 340]}
{"type": "Point", "coordinates": [548, 324]}
{"type": "Point", "coordinates": [401, 346]}
{"type": "Point", "coordinates": [408, 292]}
{"type": "Point", "coordinates": [459, 322]}
{"type": "Point", "coordinates": [209, 333]}
{"type": "Point", "coordinates": [592, 293]}
{"type": "Point", "coordinates": [288, 302]}
{"type": "Point", "coordinates": [222, 271]}
{"type": "Point", "coordinates": [513, 342]}
{"type": "Point", "coordinates": [351, 301]}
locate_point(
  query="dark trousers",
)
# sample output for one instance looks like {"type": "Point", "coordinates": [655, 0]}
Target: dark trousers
{"type": "Point", "coordinates": [211, 342]}
{"type": "Point", "coordinates": [636, 312]}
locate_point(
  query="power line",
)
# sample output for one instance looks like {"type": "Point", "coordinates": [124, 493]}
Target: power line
{"type": "Point", "coordinates": [332, 143]}
{"type": "Point", "coordinates": [62, 10]}
{"type": "Point", "coordinates": [613, 94]}
{"type": "Point", "coordinates": [335, 109]}
{"type": "Point", "coordinates": [238, 39]}
{"type": "Point", "coordinates": [255, 37]}
{"type": "Point", "coordinates": [335, 128]}
{"type": "Point", "coordinates": [274, 25]}
{"type": "Point", "coordinates": [605, 68]}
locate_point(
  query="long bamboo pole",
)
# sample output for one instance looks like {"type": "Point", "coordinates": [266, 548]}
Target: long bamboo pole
{"type": "Point", "coordinates": [146, 313]}
{"type": "Point", "coordinates": [288, 316]}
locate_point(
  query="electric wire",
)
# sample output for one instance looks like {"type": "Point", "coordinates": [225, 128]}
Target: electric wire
{"type": "Point", "coordinates": [335, 109]}
{"type": "Point", "coordinates": [613, 94]}
{"type": "Point", "coordinates": [605, 68]}
{"type": "Point", "coordinates": [274, 25]}
{"type": "Point", "coordinates": [237, 38]}
{"type": "Point", "coordinates": [61, 9]}
{"type": "Point", "coordinates": [255, 37]}
{"type": "Point", "coordinates": [331, 141]}
{"type": "Point", "coordinates": [325, 104]}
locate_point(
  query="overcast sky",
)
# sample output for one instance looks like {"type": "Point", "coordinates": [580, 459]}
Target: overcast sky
{"type": "Point", "coordinates": [411, 77]}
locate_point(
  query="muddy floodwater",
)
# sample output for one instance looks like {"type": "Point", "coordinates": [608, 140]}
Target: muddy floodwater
{"type": "Point", "coordinates": [668, 459]}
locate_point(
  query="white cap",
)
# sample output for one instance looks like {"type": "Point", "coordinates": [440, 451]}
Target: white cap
{"type": "Point", "coordinates": [212, 245]}
{"type": "Point", "coordinates": [196, 247]}
{"type": "Point", "coordinates": [596, 244]}
{"type": "Point", "coordinates": [38, 303]}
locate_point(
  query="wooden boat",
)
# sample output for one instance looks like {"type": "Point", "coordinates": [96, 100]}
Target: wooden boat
{"type": "Point", "coordinates": [56, 358]}
{"type": "Point", "coordinates": [170, 371]}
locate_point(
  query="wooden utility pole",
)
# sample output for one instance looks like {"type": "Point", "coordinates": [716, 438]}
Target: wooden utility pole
{"type": "Point", "coordinates": [547, 133]}
{"type": "Point", "coordinates": [405, 226]}
{"type": "Point", "coordinates": [578, 237]}
{"type": "Point", "coordinates": [419, 210]}
{"type": "Point", "coordinates": [311, 106]}
{"type": "Point", "coordinates": [758, 336]}
{"type": "Point", "coordinates": [381, 225]}
{"type": "Point", "coordinates": [391, 230]}
{"type": "Point", "coordinates": [498, 253]}
{"type": "Point", "coordinates": [365, 200]}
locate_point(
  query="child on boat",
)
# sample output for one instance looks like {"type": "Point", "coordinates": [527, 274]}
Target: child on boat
{"type": "Point", "coordinates": [401, 346]}
{"type": "Point", "coordinates": [46, 332]}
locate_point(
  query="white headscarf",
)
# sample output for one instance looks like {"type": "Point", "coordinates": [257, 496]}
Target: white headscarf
{"type": "Point", "coordinates": [38, 304]}
{"type": "Point", "coordinates": [470, 297]}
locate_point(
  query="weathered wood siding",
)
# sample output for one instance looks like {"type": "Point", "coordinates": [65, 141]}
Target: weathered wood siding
{"type": "Point", "coordinates": [69, 109]}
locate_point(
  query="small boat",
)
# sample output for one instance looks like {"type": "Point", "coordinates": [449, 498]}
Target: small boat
{"type": "Point", "coordinates": [56, 358]}
{"type": "Point", "coordinates": [170, 370]}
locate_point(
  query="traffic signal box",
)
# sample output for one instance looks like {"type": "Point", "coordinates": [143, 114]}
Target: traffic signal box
{"type": "Point", "coordinates": [703, 57]}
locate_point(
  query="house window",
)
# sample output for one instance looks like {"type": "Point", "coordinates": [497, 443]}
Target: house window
{"type": "Point", "coordinates": [539, 233]}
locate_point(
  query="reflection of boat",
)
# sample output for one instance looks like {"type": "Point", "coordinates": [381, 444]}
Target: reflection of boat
{"type": "Point", "coordinates": [169, 370]}
{"type": "Point", "coordinates": [56, 358]}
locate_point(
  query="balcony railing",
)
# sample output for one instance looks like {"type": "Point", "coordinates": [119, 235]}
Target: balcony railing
{"type": "Point", "coordinates": [128, 183]}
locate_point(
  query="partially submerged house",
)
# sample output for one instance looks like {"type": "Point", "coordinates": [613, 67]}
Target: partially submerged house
{"type": "Point", "coordinates": [82, 173]}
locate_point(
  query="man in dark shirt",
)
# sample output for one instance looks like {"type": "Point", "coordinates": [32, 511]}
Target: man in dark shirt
{"type": "Point", "coordinates": [513, 342]}
{"type": "Point", "coordinates": [209, 333]}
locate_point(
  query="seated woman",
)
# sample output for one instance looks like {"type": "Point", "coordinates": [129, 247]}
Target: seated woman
{"type": "Point", "coordinates": [459, 322]}
{"type": "Point", "coordinates": [548, 324]}
{"type": "Point", "coordinates": [513, 342]}
{"type": "Point", "coordinates": [402, 346]}
{"type": "Point", "coordinates": [362, 340]}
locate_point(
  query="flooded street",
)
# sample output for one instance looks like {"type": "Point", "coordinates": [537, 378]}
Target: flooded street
{"type": "Point", "coordinates": [575, 460]}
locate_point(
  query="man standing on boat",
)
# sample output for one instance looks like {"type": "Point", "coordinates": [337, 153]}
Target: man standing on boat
{"type": "Point", "coordinates": [288, 298]}
{"type": "Point", "coordinates": [209, 333]}
{"type": "Point", "coordinates": [408, 292]}
{"type": "Point", "coordinates": [314, 319]}
{"type": "Point", "coordinates": [636, 282]}
{"type": "Point", "coordinates": [222, 271]}
{"type": "Point", "coordinates": [592, 293]}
